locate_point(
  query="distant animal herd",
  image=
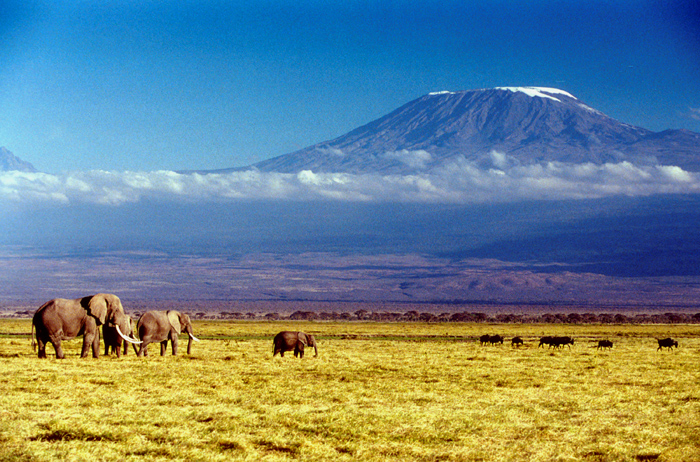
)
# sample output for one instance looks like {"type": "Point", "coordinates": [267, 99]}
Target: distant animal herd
{"type": "Point", "coordinates": [62, 319]}
{"type": "Point", "coordinates": [560, 342]}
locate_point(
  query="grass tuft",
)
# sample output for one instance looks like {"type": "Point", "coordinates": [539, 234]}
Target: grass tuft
{"type": "Point", "coordinates": [270, 446]}
{"type": "Point", "coordinates": [645, 457]}
{"type": "Point", "coordinates": [73, 434]}
{"type": "Point", "coordinates": [230, 446]}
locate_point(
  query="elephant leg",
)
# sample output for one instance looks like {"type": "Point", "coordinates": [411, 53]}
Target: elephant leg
{"type": "Point", "coordinates": [143, 350]}
{"type": "Point", "coordinates": [58, 348]}
{"type": "Point", "coordinates": [41, 347]}
{"type": "Point", "coordinates": [55, 340]}
{"type": "Point", "coordinates": [89, 342]}
{"type": "Point", "coordinates": [163, 347]}
{"type": "Point", "coordinates": [118, 349]}
{"type": "Point", "coordinates": [174, 344]}
{"type": "Point", "coordinates": [299, 350]}
{"type": "Point", "coordinates": [86, 348]}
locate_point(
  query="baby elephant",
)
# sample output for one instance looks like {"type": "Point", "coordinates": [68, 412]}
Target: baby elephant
{"type": "Point", "coordinates": [293, 341]}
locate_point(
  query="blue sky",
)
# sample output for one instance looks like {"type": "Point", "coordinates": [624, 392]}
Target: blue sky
{"type": "Point", "coordinates": [151, 85]}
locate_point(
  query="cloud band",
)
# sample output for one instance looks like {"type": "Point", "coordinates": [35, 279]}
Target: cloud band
{"type": "Point", "coordinates": [459, 182]}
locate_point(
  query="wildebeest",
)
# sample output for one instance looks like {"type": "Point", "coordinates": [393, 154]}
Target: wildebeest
{"type": "Point", "coordinates": [496, 339]}
{"type": "Point", "coordinates": [604, 344]}
{"type": "Point", "coordinates": [492, 339]}
{"type": "Point", "coordinates": [556, 342]}
{"type": "Point", "coordinates": [667, 343]}
{"type": "Point", "coordinates": [516, 341]}
{"type": "Point", "coordinates": [559, 342]}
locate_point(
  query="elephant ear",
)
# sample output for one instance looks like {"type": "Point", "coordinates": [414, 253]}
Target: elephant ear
{"type": "Point", "coordinates": [174, 318]}
{"type": "Point", "coordinates": [303, 338]}
{"type": "Point", "coordinates": [97, 308]}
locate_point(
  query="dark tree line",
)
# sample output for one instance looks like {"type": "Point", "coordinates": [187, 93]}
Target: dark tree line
{"type": "Point", "coordinates": [476, 317]}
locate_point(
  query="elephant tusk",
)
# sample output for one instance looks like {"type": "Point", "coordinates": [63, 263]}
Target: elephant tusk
{"type": "Point", "coordinates": [119, 331]}
{"type": "Point", "coordinates": [193, 337]}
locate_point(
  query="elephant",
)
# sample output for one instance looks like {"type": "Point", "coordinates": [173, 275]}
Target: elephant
{"type": "Point", "coordinates": [62, 319]}
{"type": "Point", "coordinates": [161, 326]}
{"type": "Point", "coordinates": [113, 341]}
{"type": "Point", "coordinates": [296, 341]}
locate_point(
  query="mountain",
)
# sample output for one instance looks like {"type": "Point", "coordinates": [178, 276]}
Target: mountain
{"type": "Point", "coordinates": [527, 124]}
{"type": "Point", "coordinates": [9, 161]}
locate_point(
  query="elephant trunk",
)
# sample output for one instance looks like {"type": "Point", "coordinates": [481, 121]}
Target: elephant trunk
{"type": "Point", "coordinates": [131, 340]}
{"type": "Point", "coordinates": [315, 350]}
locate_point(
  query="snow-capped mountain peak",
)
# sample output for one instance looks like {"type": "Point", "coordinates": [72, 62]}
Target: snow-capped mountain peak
{"type": "Point", "coordinates": [529, 125]}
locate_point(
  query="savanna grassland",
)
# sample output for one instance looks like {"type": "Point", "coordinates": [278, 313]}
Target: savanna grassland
{"type": "Point", "coordinates": [376, 392]}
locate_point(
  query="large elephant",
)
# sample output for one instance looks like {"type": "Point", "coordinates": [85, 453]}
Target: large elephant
{"type": "Point", "coordinates": [61, 319]}
{"type": "Point", "coordinates": [293, 341]}
{"type": "Point", "coordinates": [114, 341]}
{"type": "Point", "coordinates": [161, 326]}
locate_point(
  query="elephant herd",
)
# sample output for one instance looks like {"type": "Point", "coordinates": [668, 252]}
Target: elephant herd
{"type": "Point", "coordinates": [61, 319]}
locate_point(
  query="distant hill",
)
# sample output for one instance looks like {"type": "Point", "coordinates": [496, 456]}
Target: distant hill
{"type": "Point", "coordinates": [9, 161]}
{"type": "Point", "coordinates": [527, 124]}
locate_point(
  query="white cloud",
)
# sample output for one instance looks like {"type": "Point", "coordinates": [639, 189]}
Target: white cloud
{"type": "Point", "coordinates": [459, 181]}
{"type": "Point", "coordinates": [330, 152]}
{"type": "Point", "coordinates": [414, 159]}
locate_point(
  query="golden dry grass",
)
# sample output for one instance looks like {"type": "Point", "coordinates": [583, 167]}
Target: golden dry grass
{"type": "Point", "coordinates": [376, 392]}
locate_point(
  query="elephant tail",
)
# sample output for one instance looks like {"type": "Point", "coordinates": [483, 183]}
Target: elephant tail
{"type": "Point", "coordinates": [32, 338]}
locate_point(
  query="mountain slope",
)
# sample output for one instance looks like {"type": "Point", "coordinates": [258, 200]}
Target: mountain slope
{"type": "Point", "coordinates": [9, 161]}
{"type": "Point", "coordinates": [528, 124]}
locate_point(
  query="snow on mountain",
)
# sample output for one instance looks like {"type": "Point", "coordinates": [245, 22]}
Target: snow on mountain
{"type": "Point", "coordinates": [540, 92]}
{"type": "Point", "coordinates": [525, 125]}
